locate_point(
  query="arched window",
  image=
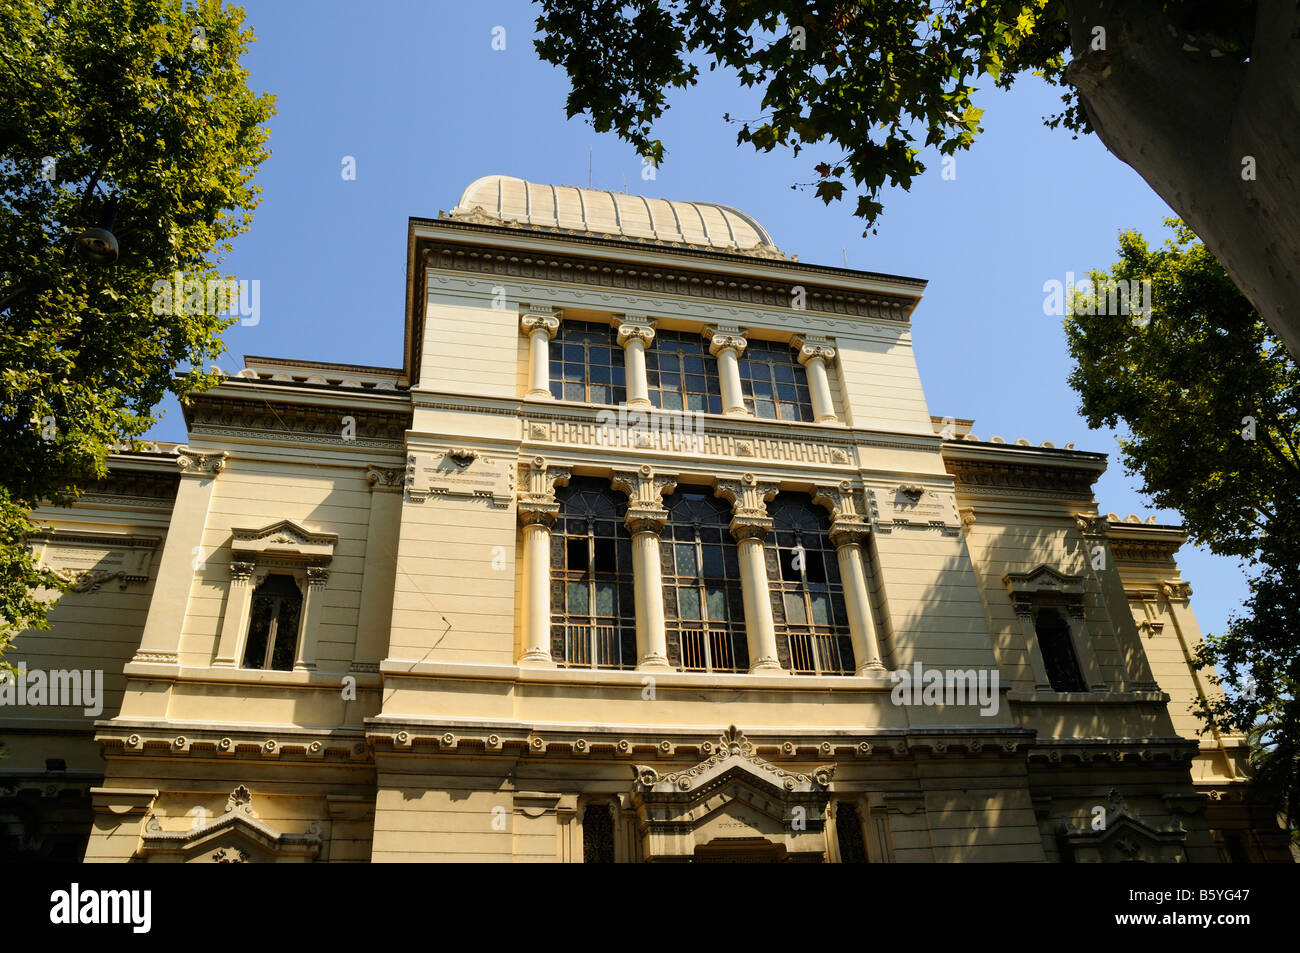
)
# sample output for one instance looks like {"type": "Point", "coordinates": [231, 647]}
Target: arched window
{"type": "Point", "coordinates": [1058, 651]}
{"type": "Point", "coordinates": [592, 607]}
{"type": "Point", "coordinates": [703, 605]}
{"type": "Point", "coordinates": [273, 624]}
{"type": "Point", "coordinates": [682, 375]}
{"type": "Point", "coordinates": [807, 597]}
{"type": "Point", "coordinates": [774, 383]}
{"type": "Point", "coordinates": [587, 364]}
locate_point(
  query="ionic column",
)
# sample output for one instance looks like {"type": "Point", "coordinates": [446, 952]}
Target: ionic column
{"type": "Point", "coordinates": [540, 323]}
{"type": "Point", "coordinates": [814, 355]}
{"type": "Point", "coordinates": [634, 336]}
{"type": "Point", "coordinates": [750, 525]}
{"type": "Point", "coordinates": [317, 577]}
{"type": "Point", "coordinates": [848, 538]}
{"type": "Point", "coordinates": [727, 343]}
{"type": "Point", "coordinates": [645, 520]}
{"type": "Point", "coordinates": [182, 553]}
{"type": "Point", "coordinates": [538, 511]}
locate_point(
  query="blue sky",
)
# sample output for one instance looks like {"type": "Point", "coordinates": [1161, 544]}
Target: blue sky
{"type": "Point", "coordinates": [415, 92]}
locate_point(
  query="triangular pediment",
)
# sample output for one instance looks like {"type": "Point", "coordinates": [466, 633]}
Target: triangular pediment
{"type": "Point", "coordinates": [237, 836]}
{"type": "Point", "coordinates": [1042, 579]}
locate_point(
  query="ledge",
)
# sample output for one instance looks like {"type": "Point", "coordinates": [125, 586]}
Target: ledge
{"type": "Point", "coordinates": [244, 676]}
{"type": "Point", "coordinates": [1087, 698]}
{"type": "Point", "coordinates": [663, 678]}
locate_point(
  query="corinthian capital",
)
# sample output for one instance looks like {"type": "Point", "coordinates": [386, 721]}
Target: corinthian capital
{"type": "Point", "coordinates": [1090, 525]}
{"type": "Point", "coordinates": [538, 481]}
{"type": "Point", "coordinates": [748, 496]}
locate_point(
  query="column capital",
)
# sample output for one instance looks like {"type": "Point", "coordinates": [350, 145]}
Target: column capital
{"type": "Point", "coordinates": [725, 337]}
{"type": "Point", "coordinates": [1090, 525]}
{"type": "Point", "coordinates": [840, 499]}
{"type": "Point", "coordinates": [241, 571]}
{"type": "Point", "coordinates": [540, 318]}
{"type": "Point", "coordinates": [750, 526]}
{"type": "Point", "coordinates": [386, 479]}
{"type": "Point", "coordinates": [643, 519]}
{"type": "Point", "coordinates": [849, 532]}
{"type": "Point", "coordinates": [748, 496]}
{"type": "Point", "coordinates": [811, 347]}
{"type": "Point", "coordinates": [192, 463]}
{"type": "Point", "coordinates": [644, 487]}
{"type": "Point", "coordinates": [634, 327]}
{"type": "Point", "coordinates": [537, 505]}
{"type": "Point", "coordinates": [1176, 589]}
{"type": "Point", "coordinates": [317, 576]}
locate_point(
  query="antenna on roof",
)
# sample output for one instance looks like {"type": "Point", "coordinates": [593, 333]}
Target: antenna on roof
{"type": "Point", "coordinates": [845, 253]}
{"type": "Point", "coordinates": [589, 167]}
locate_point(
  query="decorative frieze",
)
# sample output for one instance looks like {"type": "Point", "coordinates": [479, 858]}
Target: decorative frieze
{"type": "Point", "coordinates": [1046, 482]}
{"type": "Point", "coordinates": [192, 463]}
{"type": "Point", "coordinates": [551, 268]}
{"type": "Point", "coordinates": [267, 419]}
{"type": "Point", "coordinates": [386, 479]}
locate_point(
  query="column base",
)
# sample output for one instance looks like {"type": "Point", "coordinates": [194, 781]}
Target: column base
{"type": "Point", "coordinates": [735, 412]}
{"type": "Point", "coordinates": [640, 403]}
{"type": "Point", "coordinates": [653, 663]}
{"type": "Point", "coordinates": [536, 659]}
{"type": "Point", "coordinates": [304, 666]}
{"type": "Point", "coordinates": [223, 663]}
{"type": "Point", "coordinates": [827, 419]}
{"type": "Point", "coordinates": [540, 395]}
{"type": "Point", "coordinates": [768, 665]}
{"type": "Point", "coordinates": [869, 668]}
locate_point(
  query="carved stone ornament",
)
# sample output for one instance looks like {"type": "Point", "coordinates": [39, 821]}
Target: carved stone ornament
{"type": "Point", "coordinates": [1090, 525]}
{"type": "Point", "coordinates": [725, 337]}
{"type": "Point", "coordinates": [193, 463]}
{"type": "Point", "coordinates": [644, 489]}
{"type": "Point", "coordinates": [812, 347]}
{"type": "Point", "coordinates": [539, 318]}
{"type": "Point", "coordinates": [89, 580]}
{"type": "Point", "coordinates": [1176, 590]}
{"type": "Point", "coordinates": [634, 327]}
{"type": "Point", "coordinates": [734, 751]}
{"type": "Point", "coordinates": [538, 480]}
{"type": "Point", "coordinates": [463, 456]}
{"type": "Point", "coordinates": [386, 478]}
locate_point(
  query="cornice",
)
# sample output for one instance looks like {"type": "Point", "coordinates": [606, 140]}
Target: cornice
{"type": "Point", "coordinates": [258, 417]}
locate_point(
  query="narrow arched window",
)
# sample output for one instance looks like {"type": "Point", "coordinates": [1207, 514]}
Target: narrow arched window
{"type": "Point", "coordinates": [775, 384]}
{"type": "Point", "coordinates": [273, 624]}
{"type": "Point", "coordinates": [597, 834]}
{"type": "Point", "coordinates": [1058, 651]}
{"type": "Point", "coordinates": [682, 375]}
{"type": "Point", "coordinates": [587, 364]}
{"type": "Point", "coordinates": [807, 596]}
{"type": "Point", "coordinates": [592, 601]}
{"type": "Point", "coordinates": [703, 604]}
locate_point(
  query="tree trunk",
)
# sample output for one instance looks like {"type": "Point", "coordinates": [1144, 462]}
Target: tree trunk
{"type": "Point", "coordinates": [1196, 127]}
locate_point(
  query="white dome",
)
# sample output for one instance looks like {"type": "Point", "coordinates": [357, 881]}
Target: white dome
{"type": "Point", "coordinates": [507, 200]}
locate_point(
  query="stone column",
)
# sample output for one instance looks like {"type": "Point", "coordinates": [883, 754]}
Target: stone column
{"type": "Point", "coordinates": [538, 511]}
{"type": "Point", "coordinates": [727, 343]}
{"type": "Point", "coordinates": [305, 660]}
{"type": "Point", "coordinates": [379, 571]}
{"type": "Point", "coordinates": [750, 525]}
{"type": "Point", "coordinates": [848, 532]}
{"type": "Point", "coordinates": [635, 333]}
{"type": "Point", "coordinates": [181, 556]}
{"type": "Point", "coordinates": [848, 538]}
{"type": "Point", "coordinates": [540, 323]}
{"type": "Point", "coordinates": [645, 520]}
{"type": "Point", "coordinates": [814, 355]}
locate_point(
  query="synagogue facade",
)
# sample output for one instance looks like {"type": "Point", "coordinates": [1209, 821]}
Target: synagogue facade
{"type": "Point", "coordinates": [651, 549]}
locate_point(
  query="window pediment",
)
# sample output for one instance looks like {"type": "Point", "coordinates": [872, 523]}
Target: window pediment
{"type": "Point", "coordinates": [238, 836]}
{"type": "Point", "coordinates": [283, 539]}
{"type": "Point", "coordinates": [1042, 580]}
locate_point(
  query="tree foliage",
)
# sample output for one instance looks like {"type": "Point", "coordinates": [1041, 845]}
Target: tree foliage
{"type": "Point", "coordinates": [1209, 405]}
{"type": "Point", "coordinates": [1188, 92]}
{"type": "Point", "coordinates": [133, 108]}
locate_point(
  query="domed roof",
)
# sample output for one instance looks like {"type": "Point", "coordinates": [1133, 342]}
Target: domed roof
{"type": "Point", "coordinates": [506, 200]}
